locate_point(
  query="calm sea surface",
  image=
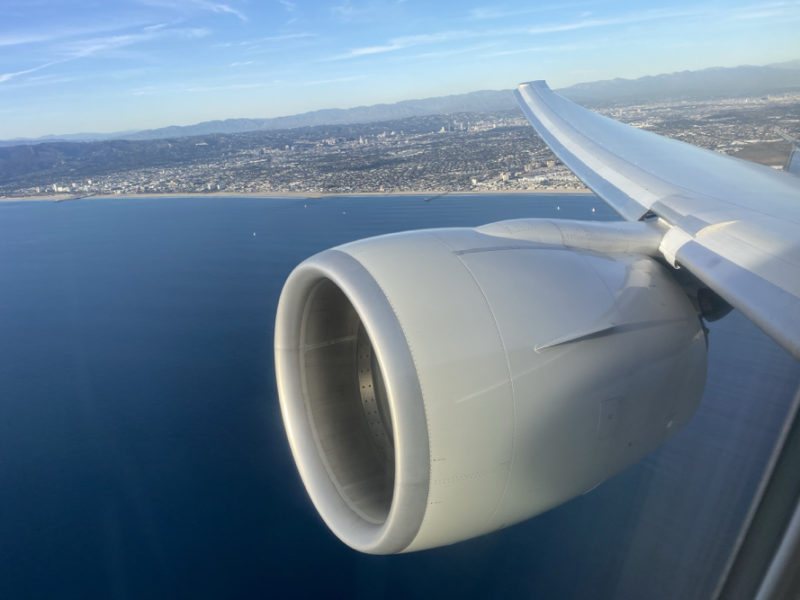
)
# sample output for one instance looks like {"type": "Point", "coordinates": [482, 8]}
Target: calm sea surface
{"type": "Point", "coordinates": [142, 453]}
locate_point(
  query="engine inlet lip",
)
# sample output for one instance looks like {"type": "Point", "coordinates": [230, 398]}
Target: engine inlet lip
{"type": "Point", "coordinates": [409, 426]}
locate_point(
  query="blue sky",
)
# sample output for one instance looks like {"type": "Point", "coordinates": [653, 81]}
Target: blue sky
{"type": "Point", "coordinates": [114, 65]}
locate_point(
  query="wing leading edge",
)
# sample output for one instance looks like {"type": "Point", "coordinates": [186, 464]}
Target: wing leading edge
{"type": "Point", "coordinates": [735, 225]}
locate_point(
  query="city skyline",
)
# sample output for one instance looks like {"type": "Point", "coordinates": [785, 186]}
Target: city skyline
{"type": "Point", "coordinates": [138, 64]}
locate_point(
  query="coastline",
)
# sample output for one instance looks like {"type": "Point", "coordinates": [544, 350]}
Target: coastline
{"type": "Point", "coordinates": [311, 195]}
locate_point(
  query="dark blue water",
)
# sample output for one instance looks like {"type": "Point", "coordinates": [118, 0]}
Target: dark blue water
{"type": "Point", "coordinates": [142, 453]}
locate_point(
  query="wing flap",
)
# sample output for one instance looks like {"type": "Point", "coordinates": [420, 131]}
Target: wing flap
{"type": "Point", "coordinates": [770, 307]}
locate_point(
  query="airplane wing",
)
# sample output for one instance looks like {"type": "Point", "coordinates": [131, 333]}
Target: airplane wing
{"type": "Point", "coordinates": [735, 225]}
{"type": "Point", "coordinates": [793, 160]}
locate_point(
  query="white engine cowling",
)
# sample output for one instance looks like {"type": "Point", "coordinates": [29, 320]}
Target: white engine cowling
{"type": "Point", "coordinates": [438, 385]}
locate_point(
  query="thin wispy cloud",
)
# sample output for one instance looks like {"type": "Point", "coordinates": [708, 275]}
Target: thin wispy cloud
{"type": "Point", "coordinates": [485, 13]}
{"type": "Point", "coordinates": [72, 50]}
{"type": "Point", "coordinates": [346, 11]}
{"type": "Point", "coordinates": [626, 19]}
{"type": "Point", "coordinates": [49, 79]}
{"type": "Point", "coordinates": [453, 52]}
{"type": "Point", "coordinates": [9, 76]}
{"type": "Point", "coordinates": [223, 88]}
{"type": "Point", "coordinates": [20, 39]}
{"type": "Point", "coordinates": [644, 16]}
{"type": "Point", "coordinates": [333, 80]}
{"type": "Point", "coordinates": [769, 10]}
{"type": "Point", "coordinates": [189, 6]}
{"type": "Point", "coordinates": [62, 33]}
{"type": "Point", "coordinates": [269, 39]}
{"type": "Point", "coordinates": [222, 8]}
{"type": "Point", "coordinates": [585, 21]}
{"type": "Point", "coordinates": [351, 11]}
{"type": "Point", "coordinates": [760, 14]}
{"type": "Point", "coordinates": [85, 48]}
{"type": "Point", "coordinates": [145, 91]}
{"type": "Point", "coordinates": [150, 90]}
{"type": "Point", "coordinates": [406, 42]}
{"type": "Point", "coordinates": [767, 5]}
{"type": "Point", "coordinates": [549, 48]}
{"type": "Point", "coordinates": [89, 47]}
{"type": "Point", "coordinates": [402, 43]}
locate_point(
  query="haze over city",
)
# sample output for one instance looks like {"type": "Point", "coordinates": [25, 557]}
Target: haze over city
{"type": "Point", "coordinates": [70, 67]}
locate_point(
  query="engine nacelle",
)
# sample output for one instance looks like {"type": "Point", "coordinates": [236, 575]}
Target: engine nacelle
{"type": "Point", "coordinates": [438, 385]}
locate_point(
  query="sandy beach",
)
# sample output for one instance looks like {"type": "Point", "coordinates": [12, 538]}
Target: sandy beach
{"type": "Point", "coordinates": [65, 197]}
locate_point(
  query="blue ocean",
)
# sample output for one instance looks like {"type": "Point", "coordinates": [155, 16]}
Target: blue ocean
{"type": "Point", "coordinates": [142, 453]}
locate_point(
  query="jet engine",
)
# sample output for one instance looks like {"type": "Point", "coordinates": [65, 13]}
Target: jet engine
{"type": "Point", "coordinates": [438, 385]}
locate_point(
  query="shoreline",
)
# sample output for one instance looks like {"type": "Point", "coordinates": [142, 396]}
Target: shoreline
{"type": "Point", "coordinates": [299, 195]}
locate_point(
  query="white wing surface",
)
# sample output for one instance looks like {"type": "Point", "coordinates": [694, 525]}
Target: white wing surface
{"type": "Point", "coordinates": [735, 225]}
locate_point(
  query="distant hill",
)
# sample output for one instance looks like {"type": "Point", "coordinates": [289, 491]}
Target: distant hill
{"type": "Point", "coordinates": [486, 101]}
{"type": "Point", "coordinates": [706, 84]}
{"type": "Point", "coordinates": [474, 102]}
{"type": "Point", "coordinates": [69, 137]}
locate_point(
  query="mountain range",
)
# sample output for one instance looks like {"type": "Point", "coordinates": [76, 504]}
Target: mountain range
{"type": "Point", "coordinates": [704, 84]}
